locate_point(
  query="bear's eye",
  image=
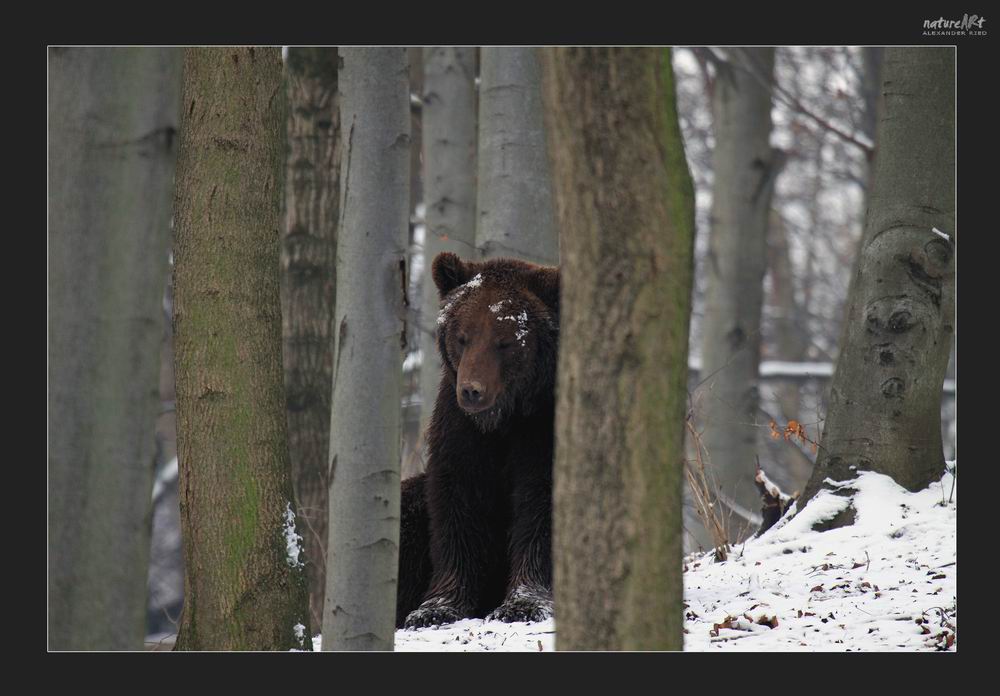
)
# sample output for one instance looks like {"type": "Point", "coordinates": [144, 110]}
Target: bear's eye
{"type": "Point", "coordinates": [461, 340]}
{"type": "Point", "coordinates": [504, 344]}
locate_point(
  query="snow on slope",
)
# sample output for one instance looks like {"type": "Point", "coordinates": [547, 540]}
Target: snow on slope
{"type": "Point", "coordinates": [886, 583]}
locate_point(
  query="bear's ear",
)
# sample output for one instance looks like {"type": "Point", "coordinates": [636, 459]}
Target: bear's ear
{"type": "Point", "coordinates": [544, 282]}
{"type": "Point", "coordinates": [449, 272]}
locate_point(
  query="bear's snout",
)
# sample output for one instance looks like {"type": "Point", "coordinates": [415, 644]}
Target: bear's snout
{"type": "Point", "coordinates": [474, 397]}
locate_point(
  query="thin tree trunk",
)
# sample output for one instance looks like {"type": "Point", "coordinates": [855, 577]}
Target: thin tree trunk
{"type": "Point", "coordinates": [244, 582]}
{"type": "Point", "coordinates": [626, 214]}
{"type": "Point", "coordinates": [308, 292]}
{"type": "Point", "coordinates": [360, 611]}
{"type": "Point", "coordinates": [745, 168]}
{"type": "Point", "coordinates": [792, 342]}
{"type": "Point", "coordinates": [789, 334]}
{"type": "Point", "coordinates": [112, 120]}
{"type": "Point", "coordinates": [885, 399]}
{"type": "Point", "coordinates": [873, 59]}
{"type": "Point", "coordinates": [515, 216]}
{"type": "Point", "coordinates": [449, 119]}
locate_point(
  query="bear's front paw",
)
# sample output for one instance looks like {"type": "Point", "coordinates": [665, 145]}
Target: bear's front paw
{"type": "Point", "coordinates": [525, 603]}
{"type": "Point", "coordinates": [433, 612]}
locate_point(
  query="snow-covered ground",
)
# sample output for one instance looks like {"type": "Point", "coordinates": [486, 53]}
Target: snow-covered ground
{"type": "Point", "coordinates": [885, 583]}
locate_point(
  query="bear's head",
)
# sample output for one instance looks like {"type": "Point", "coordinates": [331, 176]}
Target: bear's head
{"type": "Point", "coordinates": [498, 335]}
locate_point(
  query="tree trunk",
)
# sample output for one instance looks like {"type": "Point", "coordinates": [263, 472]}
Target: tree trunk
{"type": "Point", "coordinates": [792, 342]}
{"type": "Point", "coordinates": [516, 217]}
{"type": "Point", "coordinates": [112, 120]}
{"type": "Point", "coordinates": [872, 61]}
{"type": "Point", "coordinates": [449, 119]}
{"type": "Point", "coordinates": [885, 398]}
{"type": "Point", "coordinates": [244, 581]}
{"type": "Point", "coordinates": [745, 168]}
{"type": "Point", "coordinates": [626, 211]}
{"type": "Point", "coordinates": [360, 611]}
{"type": "Point", "coordinates": [308, 292]}
{"type": "Point", "coordinates": [790, 338]}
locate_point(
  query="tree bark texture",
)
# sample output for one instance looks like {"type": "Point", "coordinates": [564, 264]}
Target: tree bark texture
{"type": "Point", "coordinates": [515, 215]}
{"type": "Point", "coordinates": [625, 206]}
{"type": "Point", "coordinates": [360, 610]}
{"type": "Point", "coordinates": [112, 119]}
{"type": "Point", "coordinates": [885, 398]}
{"type": "Point", "coordinates": [449, 121]}
{"type": "Point", "coordinates": [745, 168]}
{"type": "Point", "coordinates": [308, 292]}
{"type": "Point", "coordinates": [244, 581]}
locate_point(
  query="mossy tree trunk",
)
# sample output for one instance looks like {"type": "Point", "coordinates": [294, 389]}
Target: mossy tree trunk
{"type": "Point", "coordinates": [745, 168]}
{"type": "Point", "coordinates": [449, 121]}
{"type": "Point", "coordinates": [308, 292]}
{"type": "Point", "coordinates": [360, 609]}
{"type": "Point", "coordinates": [625, 205]}
{"type": "Point", "coordinates": [885, 398]}
{"type": "Point", "coordinates": [515, 214]}
{"type": "Point", "coordinates": [243, 588]}
{"type": "Point", "coordinates": [112, 122]}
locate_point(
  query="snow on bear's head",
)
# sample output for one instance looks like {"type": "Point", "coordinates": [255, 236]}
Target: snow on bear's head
{"type": "Point", "coordinates": [498, 333]}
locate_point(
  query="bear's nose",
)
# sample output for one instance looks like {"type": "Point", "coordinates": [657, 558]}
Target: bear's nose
{"type": "Point", "coordinates": [473, 393]}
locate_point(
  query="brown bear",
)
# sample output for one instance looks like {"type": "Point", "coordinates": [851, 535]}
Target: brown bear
{"type": "Point", "coordinates": [475, 530]}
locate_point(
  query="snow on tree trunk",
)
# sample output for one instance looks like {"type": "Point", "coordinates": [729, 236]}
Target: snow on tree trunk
{"type": "Point", "coordinates": [745, 168]}
{"type": "Point", "coordinates": [449, 121]}
{"type": "Point", "coordinates": [308, 291]}
{"type": "Point", "coordinates": [244, 581]}
{"type": "Point", "coordinates": [360, 611]}
{"type": "Point", "coordinates": [626, 214]}
{"type": "Point", "coordinates": [514, 198]}
{"type": "Point", "coordinates": [885, 399]}
{"type": "Point", "coordinates": [112, 119]}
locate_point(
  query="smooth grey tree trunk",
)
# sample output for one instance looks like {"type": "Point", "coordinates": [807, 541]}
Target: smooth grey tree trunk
{"type": "Point", "coordinates": [885, 398]}
{"type": "Point", "coordinates": [745, 168]}
{"type": "Point", "coordinates": [515, 213]}
{"type": "Point", "coordinates": [626, 215]}
{"type": "Point", "coordinates": [449, 121]}
{"type": "Point", "coordinates": [308, 291]}
{"type": "Point", "coordinates": [113, 115]}
{"type": "Point", "coordinates": [360, 609]}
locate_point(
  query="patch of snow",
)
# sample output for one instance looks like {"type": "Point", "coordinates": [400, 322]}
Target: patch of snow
{"type": "Point", "coordinates": [781, 368]}
{"type": "Point", "coordinates": [166, 476]}
{"type": "Point", "coordinates": [293, 541]}
{"type": "Point", "coordinates": [475, 635]}
{"type": "Point", "coordinates": [887, 582]}
{"type": "Point", "coordinates": [938, 232]}
{"type": "Point", "coordinates": [443, 314]}
{"type": "Point", "coordinates": [413, 360]}
{"type": "Point", "coordinates": [476, 281]}
{"type": "Point", "coordinates": [522, 325]}
{"type": "Point", "coordinates": [496, 307]}
{"type": "Point", "coordinates": [771, 488]}
{"type": "Point", "coordinates": [300, 631]}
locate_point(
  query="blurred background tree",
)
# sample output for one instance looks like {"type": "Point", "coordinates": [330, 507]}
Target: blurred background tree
{"type": "Point", "coordinates": [113, 118]}
{"type": "Point", "coordinates": [309, 290]}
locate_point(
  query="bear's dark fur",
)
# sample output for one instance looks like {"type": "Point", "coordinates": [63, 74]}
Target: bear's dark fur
{"type": "Point", "coordinates": [476, 528]}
